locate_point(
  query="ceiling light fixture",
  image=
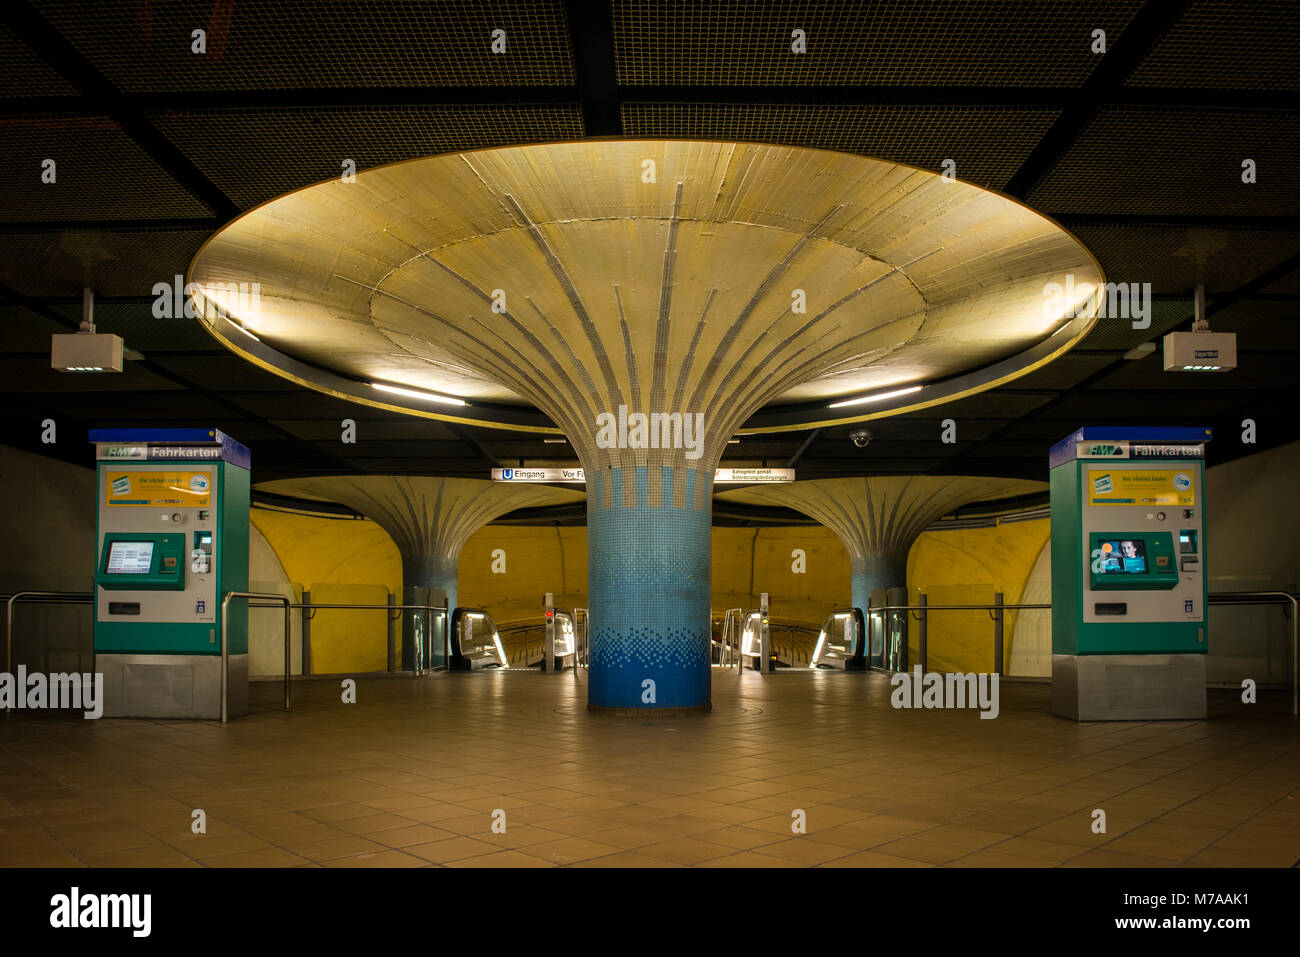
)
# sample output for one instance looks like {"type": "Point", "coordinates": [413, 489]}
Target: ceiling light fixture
{"type": "Point", "coordinates": [878, 397]}
{"type": "Point", "coordinates": [86, 350]}
{"type": "Point", "coordinates": [415, 394]}
{"type": "Point", "coordinates": [1200, 350]}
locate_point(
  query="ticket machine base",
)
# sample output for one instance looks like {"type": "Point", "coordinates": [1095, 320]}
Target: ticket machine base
{"type": "Point", "coordinates": [1128, 687]}
{"type": "Point", "coordinates": [171, 686]}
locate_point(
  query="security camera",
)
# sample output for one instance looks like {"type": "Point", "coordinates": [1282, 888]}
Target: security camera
{"type": "Point", "coordinates": [861, 438]}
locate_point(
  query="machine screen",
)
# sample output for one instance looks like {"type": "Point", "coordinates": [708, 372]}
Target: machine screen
{"type": "Point", "coordinates": [1124, 556]}
{"type": "Point", "coordinates": [130, 558]}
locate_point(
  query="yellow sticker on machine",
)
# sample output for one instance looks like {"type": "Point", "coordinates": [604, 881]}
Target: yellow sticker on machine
{"type": "Point", "coordinates": [1141, 487]}
{"type": "Point", "coordinates": [154, 489]}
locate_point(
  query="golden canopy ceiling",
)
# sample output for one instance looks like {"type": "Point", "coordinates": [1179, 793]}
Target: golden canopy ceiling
{"type": "Point", "coordinates": [660, 274]}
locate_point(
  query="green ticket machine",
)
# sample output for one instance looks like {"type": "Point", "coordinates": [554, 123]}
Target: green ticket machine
{"type": "Point", "coordinates": [171, 540]}
{"type": "Point", "coordinates": [1128, 574]}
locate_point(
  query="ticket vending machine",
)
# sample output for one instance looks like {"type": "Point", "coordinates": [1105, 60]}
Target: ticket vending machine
{"type": "Point", "coordinates": [1128, 574]}
{"type": "Point", "coordinates": [171, 540]}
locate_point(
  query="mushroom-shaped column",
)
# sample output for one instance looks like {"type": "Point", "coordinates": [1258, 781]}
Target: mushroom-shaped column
{"type": "Point", "coordinates": [646, 298]}
{"type": "Point", "coordinates": [879, 518]}
{"type": "Point", "coordinates": [429, 520]}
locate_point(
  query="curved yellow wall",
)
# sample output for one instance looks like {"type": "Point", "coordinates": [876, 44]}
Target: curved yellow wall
{"type": "Point", "coordinates": [340, 561]}
{"type": "Point", "coordinates": [966, 566]}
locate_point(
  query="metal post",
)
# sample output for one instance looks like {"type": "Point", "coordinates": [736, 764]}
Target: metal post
{"type": "Point", "coordinates": [548, 649]}
{"type": "Point", "coordinates": [288, 629]}
{"type": "Point", "coordinates": [225, 645]}
{"type": "Point", "coordinates": [997, 633]}
{"type": "Point", "coordinates": [306, 633]}
{"type": "Point", "coordinates": [392, 649]}
{"type": "Point", "coordinates": [923, 600]}
{"type": "Point", "coordinates": [1295, 655]}
{"type": "Point", "coordinates": [764, 635]}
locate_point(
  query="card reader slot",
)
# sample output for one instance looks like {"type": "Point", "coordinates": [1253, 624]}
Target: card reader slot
{"type": "Point", "coordinates": [124, 608]}
{"type": "Point", "coordinates": [1110, 608]}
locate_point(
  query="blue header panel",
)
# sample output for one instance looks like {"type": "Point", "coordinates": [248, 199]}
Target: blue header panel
{"type": "Point", "coordinates": [170, 444]}
{"type": "Point", "coordinates": [1127, 442]}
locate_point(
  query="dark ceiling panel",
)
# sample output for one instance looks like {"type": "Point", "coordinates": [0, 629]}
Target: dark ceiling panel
{"type": "Point", "coordinates": [1147, 407]}
{"type": "Point", "coordinates": [1227, 45]}
{"type": "Point", "coordinates": [896, 42]}
{"type": "Point", "coordinates": [32, 373]}
{"type": "Point", "coordinates": [1066, 372]}
{"type": "Point", "coordinates": [372, 425]}
{"type": "Point", "coordinates": [22, 330]}
{"type": "Point", "coordinates": [299, 147]}
{"type": "Point", "coordinates": [1137, 160]}
{"type": "Point", "coordinates": [100, 173]}
{"type": "Point", "coordinates": [987, 144]}
{"type": "Point", "coordinates": [1261, 324]}
{"type": "Point", "coordinates": [1119, 335]}
{"type": "Point", "coordinates": [146, 47]}
{"type": "Point", "coordinates": [1175, 258]}
{"type": "Point", "coordinates": [141, 330]}
{"type": "Point", "coordinates": [113, 262]}
{"type": "Point", "coordinates": [1255, 370]}
{"type": "Point", "coordinates": [25, 73]}
{"type": "Point", "coordinates": [222, 371]}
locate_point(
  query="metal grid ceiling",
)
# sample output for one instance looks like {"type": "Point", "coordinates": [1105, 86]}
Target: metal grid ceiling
{"type": "Point", "coordinates": [897, 42]}
{"type": "Point", "coordinates": [146, 47]}
{"type": "Point", "coordinates": [298, 147]}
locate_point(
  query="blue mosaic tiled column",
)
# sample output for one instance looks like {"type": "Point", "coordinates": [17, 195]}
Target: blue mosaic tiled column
{"type": "Point", "coordinates": [648, 590]}
{"type": "Point", "coordinates": [420, 576]}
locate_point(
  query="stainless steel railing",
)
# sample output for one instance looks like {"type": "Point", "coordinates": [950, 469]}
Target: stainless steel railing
{"type": "Point", "coordinates": [36, 598]}
{"type": "Point", "coordinates": [998, 607]}
{"type": "Point", "coordinates": [426, 652]}
{"type": "Point", "coordinates": [225, 643]}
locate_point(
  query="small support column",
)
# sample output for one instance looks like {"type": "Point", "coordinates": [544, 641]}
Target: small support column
{"type": "Point", "coordinates": [306, 634]}
{"type": "Point", "coordinates": [392, 635]}
{"type": "Point", "coordinates": [921, 650]}
{"type": "Point", "coordinates": [997, 633]}
{"type": "Point", "coordinates": [548, 649]}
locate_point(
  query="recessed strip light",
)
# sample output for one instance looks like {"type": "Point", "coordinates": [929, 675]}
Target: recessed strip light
{"type": "Point", "coordinates": [556, 441]}
{"type": "Point", "coordinates": [414, 394]}
{"type": "Point", "coordinates": [878, 397]}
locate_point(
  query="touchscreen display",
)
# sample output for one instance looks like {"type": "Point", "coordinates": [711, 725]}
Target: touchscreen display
{"type": "Point", "coordinates": [130, 558]}
{"type": "Point", "coordinates": [1124, 556]}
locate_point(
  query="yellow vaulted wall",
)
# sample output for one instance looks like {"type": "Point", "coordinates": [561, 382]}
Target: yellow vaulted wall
{"type": "Point", "coordinates": [952, 567]}
{"type": "Point", "coordinates": [966, 566]}
{"type": "Point", "coordinates": [331, 558]}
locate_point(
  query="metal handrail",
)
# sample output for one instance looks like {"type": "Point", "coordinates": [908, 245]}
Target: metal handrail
{"type": "Point", "coordinates": [225, 643]}
{"type": "Point", "coordinates": [313, 606]}
{"type": "Point", "coordinates": [581, 658]}
{"type": "Point", "coordinates": [1215, 598]}
{"type": "Point", "coordinates": [43, 598]}
{"type": "Point", "coordinates": [1277, 597]}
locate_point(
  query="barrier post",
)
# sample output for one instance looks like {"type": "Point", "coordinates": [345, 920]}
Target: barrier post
{"type": "Point", "coordinates": [997, 633]}
{"type": "Point", "coordinates": [922, 622]}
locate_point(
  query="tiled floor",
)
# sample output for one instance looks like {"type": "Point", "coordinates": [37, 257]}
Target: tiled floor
{"type": "Point", "coordinates": [414, 773]}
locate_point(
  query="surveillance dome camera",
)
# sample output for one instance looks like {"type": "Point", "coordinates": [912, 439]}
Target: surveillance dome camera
{"type": "Point", "coordinates": [861, 438]}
